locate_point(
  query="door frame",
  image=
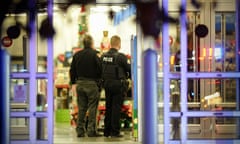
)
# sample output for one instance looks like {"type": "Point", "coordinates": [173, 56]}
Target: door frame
{"type": "Point", "coordinates": [184, 75]}
{"type": "Point", "coordinates": [32, 75]}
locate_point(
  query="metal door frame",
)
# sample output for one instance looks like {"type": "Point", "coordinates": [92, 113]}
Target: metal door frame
{"type": "Point", "coordinates": [184, 75]}
{"type": "Point", "coordinates": [32, 76]}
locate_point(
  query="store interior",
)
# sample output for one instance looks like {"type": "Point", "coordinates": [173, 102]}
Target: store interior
{"type": "Point", "coordinates": [70, 26]}
{"type": "Point", "coordinates": [93, 20]}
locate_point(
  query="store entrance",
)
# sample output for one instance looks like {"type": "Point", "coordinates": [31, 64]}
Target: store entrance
{"type": "Point", "coordinates": [203, 105]}
{"type": "Point", "coordinates": [42, 103]}
{"type": "Point", "coordinates": [94, 20]}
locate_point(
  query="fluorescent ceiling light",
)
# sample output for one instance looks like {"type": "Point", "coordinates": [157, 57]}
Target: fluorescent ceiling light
{"type": "Point", "coordinates": [100, 9]}
{"type": "Point", "coordinates": [110, 1]}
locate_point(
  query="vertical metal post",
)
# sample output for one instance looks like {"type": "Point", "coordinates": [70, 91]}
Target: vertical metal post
{"type": "Point", "coordinates": [134, 85]}
{"type": "Point", "coordinates": [4, 94]}
{"type": "Point", "coordinates": [183, 22]}
{"type": "Point", "coordinates": [32, 70]}
{"type": "Point", "coordinates": [238, 61]}
{"type": "Point", "coordinates": [166, 71]}
{"type": "Point", "coordinates": [25, 53]}
{"type": "Point", "coordinates": [150, 97]}
{"type": "Point", "coordinates": [50, 85]}
{"type": "Point", "coordinates": [139, 63]}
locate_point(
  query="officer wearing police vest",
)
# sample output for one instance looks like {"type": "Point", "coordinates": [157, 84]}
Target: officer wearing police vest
{"type": "Point", "coordinates": [116, 70]}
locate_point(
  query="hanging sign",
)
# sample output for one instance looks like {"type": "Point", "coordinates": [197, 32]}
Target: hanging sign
{"type": "Point", "coordinates": [6, 41]}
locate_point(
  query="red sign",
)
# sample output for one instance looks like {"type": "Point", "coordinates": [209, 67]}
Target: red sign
{"type": "Point", "coordinates": [6, 41]}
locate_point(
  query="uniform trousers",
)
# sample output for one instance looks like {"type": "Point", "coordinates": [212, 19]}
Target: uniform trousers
{"type": "Point", "coordinates": [87, 98]}
{"type": "Point", "coordinates": [114, 100]}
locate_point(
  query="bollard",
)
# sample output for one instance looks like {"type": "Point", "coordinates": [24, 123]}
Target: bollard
{"type": "Point", "coordinates": [4, 90]}
{"type": "Point", "coordinates": [150, 97]}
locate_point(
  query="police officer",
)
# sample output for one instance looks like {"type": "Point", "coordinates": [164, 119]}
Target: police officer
{"type": "Point", "coordinates": [116, 70]}
{"type": "Point", "coordinates": [86, 69]}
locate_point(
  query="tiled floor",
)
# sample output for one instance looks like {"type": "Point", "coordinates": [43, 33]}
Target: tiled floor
{"type": "Point", "coordinates": [64, 133]}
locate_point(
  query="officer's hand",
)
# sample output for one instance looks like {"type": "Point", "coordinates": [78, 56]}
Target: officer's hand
{"type": "Point", "coordinates": [73, 89]}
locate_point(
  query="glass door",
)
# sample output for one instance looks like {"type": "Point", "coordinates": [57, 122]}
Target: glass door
{"type": "Point", "coordinates": [31, 78]}
{"type": "Point", "coordinates": [203, 76]}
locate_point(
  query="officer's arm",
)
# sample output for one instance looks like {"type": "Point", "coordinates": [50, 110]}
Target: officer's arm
{"type": "Point", "coordinates": [72, 71]}
{"type": "Point", "coordinates": [126, 65]}
{"type": "Point", "coordinates": [99, 66]}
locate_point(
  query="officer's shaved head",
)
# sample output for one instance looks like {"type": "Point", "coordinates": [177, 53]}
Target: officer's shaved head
{"type": "Point", "coordinates": [115, 42]}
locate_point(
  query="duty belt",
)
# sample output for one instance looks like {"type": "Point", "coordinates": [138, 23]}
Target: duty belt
{"type": "Point", "coordinates": [84, 78]}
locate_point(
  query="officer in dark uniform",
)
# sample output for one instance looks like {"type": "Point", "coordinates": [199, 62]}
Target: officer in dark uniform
{"type": "Point", "coordinates": [85, 71]}
{"type": "Point", "coordinates": [116, 70]}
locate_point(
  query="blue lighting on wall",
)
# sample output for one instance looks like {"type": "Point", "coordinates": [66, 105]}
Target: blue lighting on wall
{"type": "Point", "coordinates": [124, 14]}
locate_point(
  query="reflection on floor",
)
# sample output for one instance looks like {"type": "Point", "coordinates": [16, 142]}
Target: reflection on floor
{"type": "Point", "coordinates": [64, 133]}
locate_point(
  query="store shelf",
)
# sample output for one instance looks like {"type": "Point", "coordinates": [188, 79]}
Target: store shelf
{"type": "Point", "coordinates": [60, 86]}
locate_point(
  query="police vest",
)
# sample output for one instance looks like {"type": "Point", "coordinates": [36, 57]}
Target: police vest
{"type": "Point", "coordinates": [111, 68]}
